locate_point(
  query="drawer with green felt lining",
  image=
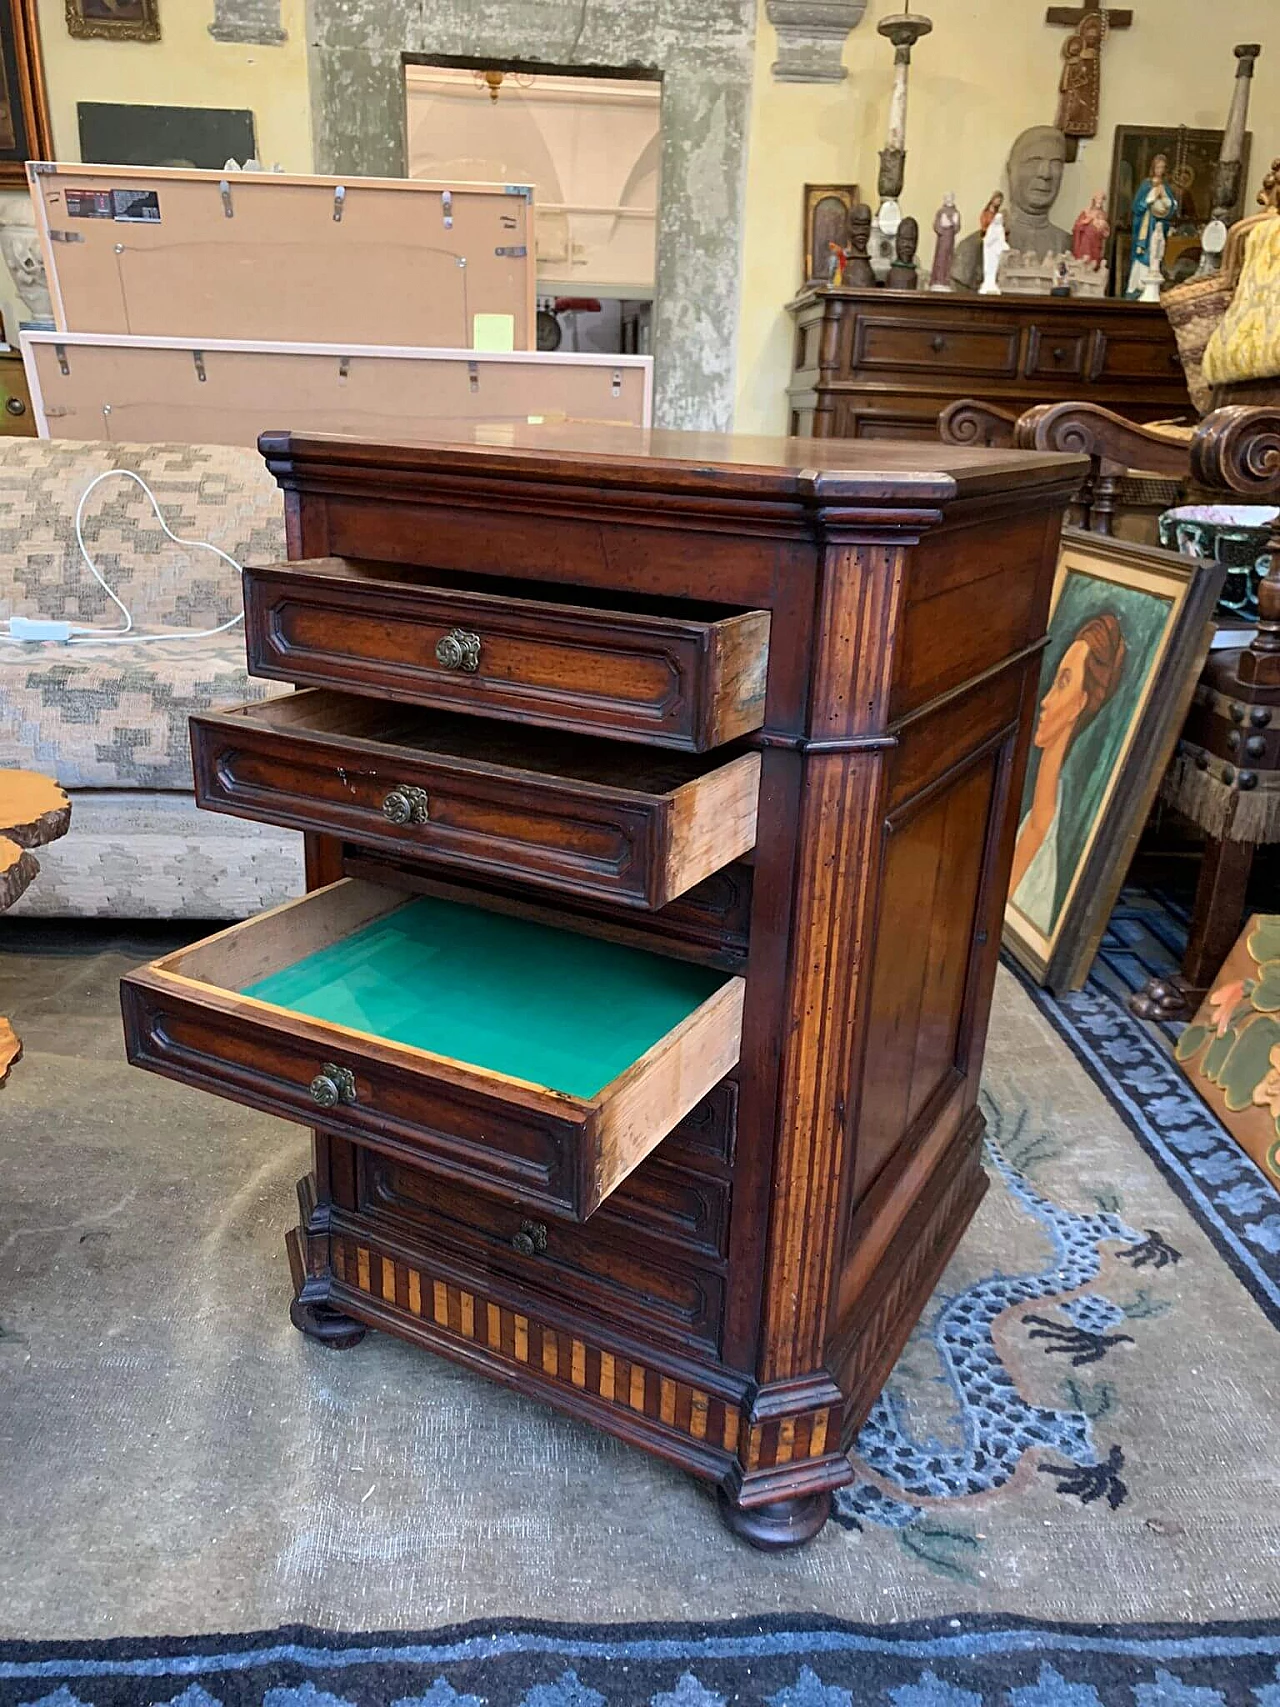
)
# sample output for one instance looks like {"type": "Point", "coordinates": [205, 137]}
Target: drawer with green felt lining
{"type": "Point", "coordinates": [494, 1050]}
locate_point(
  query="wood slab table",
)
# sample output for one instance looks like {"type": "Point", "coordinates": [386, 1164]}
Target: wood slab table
{"type": "Point", "coordinates": [33, 811]}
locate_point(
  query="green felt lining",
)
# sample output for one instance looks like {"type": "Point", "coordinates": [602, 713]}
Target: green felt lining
{"type": "Point", "coordinates": [570, 1013]}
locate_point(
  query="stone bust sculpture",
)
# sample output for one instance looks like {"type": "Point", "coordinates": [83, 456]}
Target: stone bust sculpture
{"type": "Point", "coordinates": [1035, 177]}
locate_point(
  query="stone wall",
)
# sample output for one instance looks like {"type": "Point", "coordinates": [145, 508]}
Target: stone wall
{"type": "Point", "coordinates": [703, 53]}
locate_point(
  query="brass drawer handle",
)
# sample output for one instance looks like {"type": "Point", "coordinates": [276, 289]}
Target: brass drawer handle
{"type": "Point", "coordinates": [531, 1240]}
{"type": "Point", "coordinates": [459, 650]}
{"type": "Point", "coordinates": [332, 1085]}
{"type": "Point", "coordinates": [406, 805]}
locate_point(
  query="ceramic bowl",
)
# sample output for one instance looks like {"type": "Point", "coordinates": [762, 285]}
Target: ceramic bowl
{"type": "Point", "coordinates": [1234, 534]}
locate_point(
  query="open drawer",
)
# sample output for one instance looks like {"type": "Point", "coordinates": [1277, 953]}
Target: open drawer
{"type": "Point", "coordinates": [511, 1055]}
{"type": "Point", "coordinates": [674, 676]}
{"type": "Point", "coordinates": [596, 818]}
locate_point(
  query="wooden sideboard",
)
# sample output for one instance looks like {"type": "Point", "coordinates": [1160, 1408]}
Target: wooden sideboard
{"type": "Point", "coordinates": [748, 717]}
{"type": "Point", "coordinates": [882, 364]}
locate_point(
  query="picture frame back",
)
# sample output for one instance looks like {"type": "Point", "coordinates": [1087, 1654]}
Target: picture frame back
{"type": "Point", "coordinates": [826, 219]}
{"type": "Point", "coordinates": [1109, 761]}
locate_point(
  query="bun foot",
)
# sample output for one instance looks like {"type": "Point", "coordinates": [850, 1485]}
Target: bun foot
{"type": "Point", "coordinates": [328, 1327]}
{"type": "Point", "coordinates": [784, 1523]}
{"type": "Point", "coordinates": [1163, 1000]}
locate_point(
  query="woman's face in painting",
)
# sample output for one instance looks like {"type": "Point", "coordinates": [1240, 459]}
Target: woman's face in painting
{"type": "Point", "coordinates": [1065, 700]}
{"type": "Point", "coordinates": [1158, 168]}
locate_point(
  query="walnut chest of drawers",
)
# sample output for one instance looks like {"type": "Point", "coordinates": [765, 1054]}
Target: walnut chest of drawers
{"type": "Point", "coordinates": [882, 364]}
{"type": "Point", "coordinates": [603, 730]}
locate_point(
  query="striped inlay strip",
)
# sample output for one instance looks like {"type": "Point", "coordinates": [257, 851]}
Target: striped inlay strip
{"type": "Point", "coordinates": [575, 1363]}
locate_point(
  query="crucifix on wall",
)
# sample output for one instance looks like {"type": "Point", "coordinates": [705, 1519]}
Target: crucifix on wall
{"type": "Point", "coordinates": [1080, 87]}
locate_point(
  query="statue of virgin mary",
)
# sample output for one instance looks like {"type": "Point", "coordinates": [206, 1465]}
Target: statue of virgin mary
{"type": "Point", "coordinates": [1155, 207]}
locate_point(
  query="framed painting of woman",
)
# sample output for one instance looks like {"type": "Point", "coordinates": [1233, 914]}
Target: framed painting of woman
{"type": "Point", "coordinates": [1128, 636]}
{"type": "Point", "coordinates": [24, 111]}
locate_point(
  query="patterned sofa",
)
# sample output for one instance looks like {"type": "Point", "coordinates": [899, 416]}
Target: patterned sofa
{"type": "Point", "coordinates": [109, 720]}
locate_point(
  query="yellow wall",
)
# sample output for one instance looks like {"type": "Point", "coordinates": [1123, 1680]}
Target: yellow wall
{"type": "Point", "coordinates": [989, 70]}
{"type": "Point", "coordinates": [185, 68]}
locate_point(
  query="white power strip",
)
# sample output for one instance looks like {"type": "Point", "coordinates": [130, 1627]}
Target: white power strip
{"type": "Point", "coordinates": [26, 629]}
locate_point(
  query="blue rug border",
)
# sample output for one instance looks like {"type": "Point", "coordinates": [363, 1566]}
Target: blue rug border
{"type": "Point", "coordinates": [1256, 1268]}
{"type": "Point", "coordinates": [960, 1637]}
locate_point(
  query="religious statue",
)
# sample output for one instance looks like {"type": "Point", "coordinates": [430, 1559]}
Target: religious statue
{"type": "Point", "coordinates": [1080, 87]}
{"type": "Point", "coordinates": [857, 267]}
{"type": "Point", "coordinates": [995, 245]}
{"type": "Point", "coordinates": [1035, 177]}
{"type": "Point", "coordinates": [946, 225]}
{"type": "Point", "coordinates": [903, 273]}
{"type": "Point", "coordinates": [990, 211]}
{"type": "Point", "coordinates": [1155, 207]}
{"type": "Point", "coordinates": [1090, 232]}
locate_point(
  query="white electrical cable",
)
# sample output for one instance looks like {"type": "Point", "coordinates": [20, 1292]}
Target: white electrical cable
{"type": "Point", "coordinates": [82, 634]}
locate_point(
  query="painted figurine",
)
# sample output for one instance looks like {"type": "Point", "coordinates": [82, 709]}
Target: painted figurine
{"type": "Point", "coordinates": [995, 246]}
{"type": "Point", "coordinates": [989, 212]}
{"type": "Point", "coordinates": [946, 228]}
{"type": "Point", "coordinates": [1155, 207]}
{"type": "Point", "coordinates": [837, 260]}
{"type": "Point", "coordinates": [1090, 232]}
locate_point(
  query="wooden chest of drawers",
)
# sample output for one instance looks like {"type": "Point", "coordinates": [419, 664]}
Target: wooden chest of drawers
{"type": "Point", "coordinates": [659, 794]}
{"type": "Point", "coordinates": [880, 364]}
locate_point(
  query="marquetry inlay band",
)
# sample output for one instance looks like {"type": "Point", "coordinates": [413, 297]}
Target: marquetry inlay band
{"type": "Point", "coordinates": [575, 1363]}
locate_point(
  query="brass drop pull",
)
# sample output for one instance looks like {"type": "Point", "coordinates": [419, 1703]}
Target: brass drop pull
{"type": "Point", "coordinates": [406, 805]}
{"type": "Point", "coordinates": [332, 1085]}
{"type": "Point", "coordinates": [531, 1240]}
{"type": "Point", "coordinates": [459, 650]}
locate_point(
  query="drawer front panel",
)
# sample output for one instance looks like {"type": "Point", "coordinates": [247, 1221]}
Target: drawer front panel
{"type": "Point", "coordinates": [1133, 356]}
{"type": "Point", "coordinates": [708, 1133]}
{"type": "Point", "coordinates": [490, 1143]}
{"type": "Point", "coordinates": [676, 683]}
{"type": "Point", "coordinates": [1057, 352]}
{"type": "Point", "coordinates": [942, 346]}
{"type": "Point", "coordinates": [570, 839]}
{"type": "Point", "coordinates": [594, 1266]}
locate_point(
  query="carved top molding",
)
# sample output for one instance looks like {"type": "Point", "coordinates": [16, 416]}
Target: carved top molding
{"type": "Point", "coordinates": [811, 38]}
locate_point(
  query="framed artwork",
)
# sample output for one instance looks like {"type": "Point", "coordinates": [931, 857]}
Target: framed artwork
{"type": "Point", "coordinates": [112, 134]}
{"type": "Point", "coordinates": [1190, 161]}
{"type": "Point", "coordinates": [826, 220]}
{"type": "Point", "coordinates": [1128, 636]}
{"type": "Point", "coordinates": [24, 112]}
{"type": "Point", "coordinates": [114, 20]}
{"type": "Point", "coordinates": [1231, 1050]}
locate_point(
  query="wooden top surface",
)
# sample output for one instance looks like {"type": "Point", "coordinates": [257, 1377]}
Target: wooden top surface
{"type": "Point", "coordinates": [928, 301]}
{"type": "Point", "coordinates": [837, 470]}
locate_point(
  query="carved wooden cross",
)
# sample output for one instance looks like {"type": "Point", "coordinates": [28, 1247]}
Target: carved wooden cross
{"type": "Point", "coordinates": [1080, 88]}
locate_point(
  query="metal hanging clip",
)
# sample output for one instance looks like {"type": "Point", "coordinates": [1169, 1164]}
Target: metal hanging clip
{"type": "Point", "coordinates": [446, 204]}
{"type": "Point", "coordinates": [339, 202]}
{"type": "Point", "coordinates": [224, 190]}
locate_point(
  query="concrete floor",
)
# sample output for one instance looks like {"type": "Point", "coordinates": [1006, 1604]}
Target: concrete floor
{"type": "Point", "coordinates": [174, 1457]}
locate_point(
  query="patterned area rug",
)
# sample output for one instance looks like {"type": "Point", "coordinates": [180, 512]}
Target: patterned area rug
{"type": "Point", "coordinates": [778, 1663]}
{"type": "Point", "coordinates": [1068, 1495]}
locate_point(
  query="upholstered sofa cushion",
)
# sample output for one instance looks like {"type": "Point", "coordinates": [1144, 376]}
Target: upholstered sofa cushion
{"type": "Point", "coordinates": [219, 493]}
{"type": "Point", "coordinates": [108, 714]}
{"type": "Point", "coordinates": [115, 715]}
{"type": "Point", "coordinates": [157, 856]}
